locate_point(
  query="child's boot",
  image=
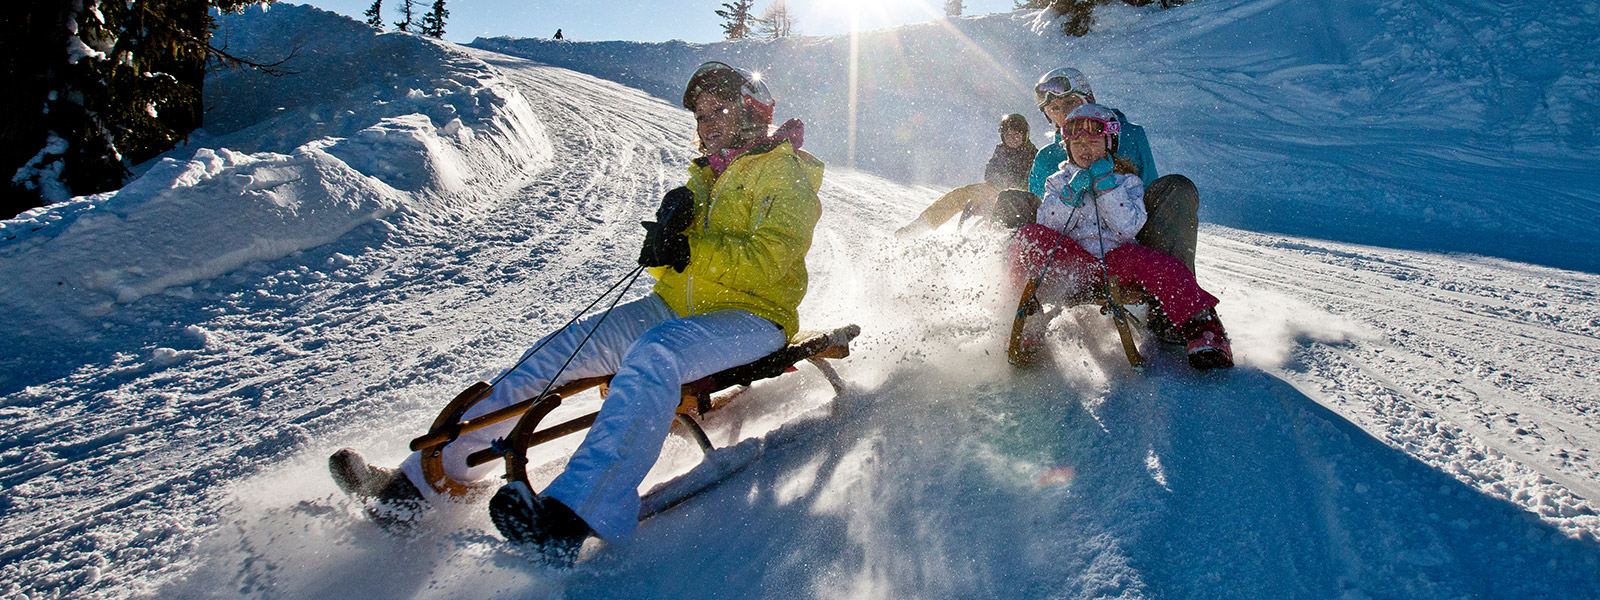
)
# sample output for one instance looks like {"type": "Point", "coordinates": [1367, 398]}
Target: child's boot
{"type": "Point", "coordinates": [394, 504]}
{"type": "Point", "coordinates": [1162, 328]}
{"type": "Point", "coordinates": [1208, 342]}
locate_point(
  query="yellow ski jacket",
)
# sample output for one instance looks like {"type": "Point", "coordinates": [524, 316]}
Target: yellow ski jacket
{"type": "Point", "coordinates": [751, 232]}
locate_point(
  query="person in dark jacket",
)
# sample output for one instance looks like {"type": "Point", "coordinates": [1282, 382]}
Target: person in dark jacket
{"type": "Point", "coordinates": [1012, 161]}
{"type": "Point", "coordinates": [1007, 169]}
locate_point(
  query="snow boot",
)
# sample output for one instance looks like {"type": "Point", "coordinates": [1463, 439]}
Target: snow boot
{"type": "Point", "coordinates": [395, 502]}
{"type": "Point", "coordinates": [545, 524]}
{"type": "Point", "coordinates": [1208, 342]}
{"type": "Point", "coordinates": [1162, 328]}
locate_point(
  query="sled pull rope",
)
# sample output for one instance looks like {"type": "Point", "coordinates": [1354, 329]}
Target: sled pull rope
{"type": "Point", "coordinates": [630, 278]}
{"type": "Point", "coordinates": [1119, 314]}
{"type": "Point", "coordinates": [449, 433]}
{"type": "Point", "coordinates": [1032, 288]}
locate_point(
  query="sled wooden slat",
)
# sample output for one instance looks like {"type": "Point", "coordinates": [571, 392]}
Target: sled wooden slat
{"type": "Point", "coordinates": [809, 345]}
{"type": "Point", "coordinates": [695, 401]}
{"type": "Point", "coordinates": [1015, 353]}
{"type": "Point", "coordinates": [450, 431]}
{"type": "Point", "coordinates": [1116, 307]}
{"type": "Point", "coordinates": [565, 428]}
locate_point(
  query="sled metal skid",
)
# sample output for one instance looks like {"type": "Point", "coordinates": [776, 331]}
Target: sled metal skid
{"type": "Point", "coordinates": [813, 347]}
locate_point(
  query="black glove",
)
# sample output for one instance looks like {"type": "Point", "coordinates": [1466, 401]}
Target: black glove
{"type": "Point", "coordinates": [663, 249]}
{"type": "Point", "coordinates": [1016, 208]}
{"type": "Point", "coordinates": [677, 209]}
{"type": "Point", "coordinates": [664, 242]}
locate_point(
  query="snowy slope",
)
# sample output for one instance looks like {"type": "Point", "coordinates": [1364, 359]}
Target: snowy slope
{"type": "Point", "coordinates": [294, 163]}
{"type": "Point", "coordinates": [1404, 423]}
{"type": "Point", "coordinates": [1384, 122]}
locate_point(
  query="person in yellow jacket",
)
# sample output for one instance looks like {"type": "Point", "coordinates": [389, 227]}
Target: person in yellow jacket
{"type": "Point", "coordinates": [728, 251]}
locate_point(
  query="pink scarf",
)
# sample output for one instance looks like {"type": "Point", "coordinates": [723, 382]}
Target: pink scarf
{"type": "Point", "coordinates": [792, 131]}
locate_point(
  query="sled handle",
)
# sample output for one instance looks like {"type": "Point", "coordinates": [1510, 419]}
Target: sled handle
{"type": "Point", "coordinates": [450, 431]}
{"type": "Point", "coordinates": [491, 453]}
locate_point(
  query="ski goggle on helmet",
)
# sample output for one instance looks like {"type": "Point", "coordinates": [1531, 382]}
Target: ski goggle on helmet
{"type": "Point", "coordinates": [723, 80]}
{"type": "Point", "coordinates": [1094, 122]}
{"type": "Point", "coordinates": [1061, 82]}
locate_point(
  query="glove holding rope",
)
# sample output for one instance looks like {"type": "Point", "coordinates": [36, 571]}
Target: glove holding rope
{"type": "Point", "coordinates": [664, 242]}
{"type": "Point", "coordinates": [1097, 176]}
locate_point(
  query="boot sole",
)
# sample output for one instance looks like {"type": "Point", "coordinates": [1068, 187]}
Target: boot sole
{"type": "Point", "coordinates": [513, 516]}
{"type": "Point", "coordinates": [1207, 360]}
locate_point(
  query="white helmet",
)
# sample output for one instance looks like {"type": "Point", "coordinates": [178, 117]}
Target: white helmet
{"type": "Point", "coordinates": [1061, 82]}
{"type": "Point", "coordinates": [1094, 121]}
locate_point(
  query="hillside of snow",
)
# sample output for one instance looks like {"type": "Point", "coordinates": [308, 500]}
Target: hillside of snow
{"type": "Point", "coordinates": [1397, 123]}
{"type": "Point", "coordinates": [1399, 223]}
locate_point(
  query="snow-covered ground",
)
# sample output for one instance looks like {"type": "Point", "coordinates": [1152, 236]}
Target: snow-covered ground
{"type": "Point", "coordinates": [1400, 208]}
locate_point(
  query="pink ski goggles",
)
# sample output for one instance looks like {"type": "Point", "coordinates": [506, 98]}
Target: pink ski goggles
{"type": "Point", "coordinates": [1093, 129]}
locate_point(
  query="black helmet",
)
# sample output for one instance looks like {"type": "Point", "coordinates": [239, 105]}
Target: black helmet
{"type": "Point", "coordinates": [1014, 122]}
{"type": "Point", "coordinates": [730, 83]}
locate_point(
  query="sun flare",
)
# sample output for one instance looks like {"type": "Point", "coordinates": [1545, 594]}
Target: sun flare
{"type": "Point", "coordinates": [874, 14]}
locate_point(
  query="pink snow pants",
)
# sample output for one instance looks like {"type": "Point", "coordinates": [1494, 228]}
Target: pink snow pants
{"type": "Point", "coordinates": [1072, 268]}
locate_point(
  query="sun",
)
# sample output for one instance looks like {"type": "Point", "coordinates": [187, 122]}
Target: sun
{"type": "Point", "coordinates": [856, 15]}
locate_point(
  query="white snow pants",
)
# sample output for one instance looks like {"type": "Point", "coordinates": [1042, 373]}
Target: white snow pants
{"type": "Point", "coordinates": [652, 353]}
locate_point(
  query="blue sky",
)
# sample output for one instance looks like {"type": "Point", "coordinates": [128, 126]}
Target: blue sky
{"type": "Point", "coordinates": [651, 20]}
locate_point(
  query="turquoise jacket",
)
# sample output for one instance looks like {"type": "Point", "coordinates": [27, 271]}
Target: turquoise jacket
{"type": "Point", "coordinates": [1132, 146]}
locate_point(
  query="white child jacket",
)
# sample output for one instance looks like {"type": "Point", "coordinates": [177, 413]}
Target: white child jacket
{"type": "Point", "coordinates": [1120, 211]}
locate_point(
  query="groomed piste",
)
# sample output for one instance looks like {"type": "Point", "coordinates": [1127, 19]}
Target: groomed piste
{"type": "Point", "coordinates": [1398, 203]}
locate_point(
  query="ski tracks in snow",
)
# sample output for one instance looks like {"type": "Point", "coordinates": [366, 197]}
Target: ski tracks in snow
{"type": "Point", "coordinates": [1471, 382]}
{"type": "Point", "coordinates": [113, 472]}
{"type": "Point", "coordinates": [1483, 369]}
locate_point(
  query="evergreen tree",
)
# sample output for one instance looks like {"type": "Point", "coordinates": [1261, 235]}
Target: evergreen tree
{"type": "Point", "coordinates": [953, 8]}
{"type": "Point", "coordinates": [433, 22]}
{"type": "Point", "coordinates": [98, 86]}
{"type": "Point", "coordinates": [738, 18]}
{"type": "Point", "coordinates": [1079, 14]}
{"type": "Point", "coordinates": [1079, 11]}
{"type": "Point", "coordinates": [375, 14]}
{"type": "Point", "coordinates": [408, 9]}
{"type": "Point", "coordinates": [776, 21]}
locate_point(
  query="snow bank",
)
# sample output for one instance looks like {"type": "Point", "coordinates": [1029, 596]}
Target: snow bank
{"type": "Point", "coordinates": [366, 126]}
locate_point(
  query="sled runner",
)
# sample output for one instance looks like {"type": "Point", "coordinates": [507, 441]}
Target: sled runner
{"type": "Point", "coordinates": [1115, 304]}
{"type": "Point", "coordinates": [813, 347]}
